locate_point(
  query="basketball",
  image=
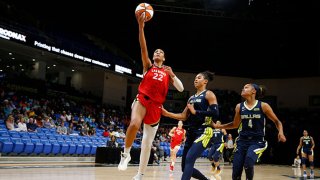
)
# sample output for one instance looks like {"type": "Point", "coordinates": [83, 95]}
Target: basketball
{"type": "Point", "coordinates": [145, 9]}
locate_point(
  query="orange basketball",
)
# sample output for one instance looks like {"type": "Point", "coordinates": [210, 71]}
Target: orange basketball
{"type": "Point", "coordinates": [145, 9]}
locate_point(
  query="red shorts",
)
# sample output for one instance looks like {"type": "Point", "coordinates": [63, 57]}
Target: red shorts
{"type": "Point", "coordinates": [173, 144]}
{"type": "Point", "coordinates": [154, 110]}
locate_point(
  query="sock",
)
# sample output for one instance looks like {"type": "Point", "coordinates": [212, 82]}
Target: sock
{"type": "Point", "coordinates": [127, 150]}
{"type": "Point", "coordinates": [149, 133]}
{"type": "Point", "coordinates": [172, 163]}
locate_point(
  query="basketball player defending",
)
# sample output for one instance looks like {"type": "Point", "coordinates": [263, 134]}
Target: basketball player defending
{"type": "Point", "coordinates": [250, 117]}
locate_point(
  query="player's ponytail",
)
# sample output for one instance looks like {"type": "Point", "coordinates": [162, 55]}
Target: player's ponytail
{"type": "Point", "coordinates": [260, 90]}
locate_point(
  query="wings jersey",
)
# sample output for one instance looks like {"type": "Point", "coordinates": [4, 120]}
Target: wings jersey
{"type": "Point", "coordinates": [199, 103]}
{"type": "Point", "coordinates": [178, 136]}
{"type": "Point", "coordinates": [252, 121]}
{"type": "Point", "coordinates": [155, 84]}
{"type": "Point", "coordinates": [306, 142]}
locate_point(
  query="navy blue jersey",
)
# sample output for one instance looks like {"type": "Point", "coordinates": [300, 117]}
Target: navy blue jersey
{"type": "Point", "coordinates": [218, 136]}
{"type": "Point", "coordinates": [306, 142]}
{"type": "Point", "coordinates": [197, 122]}
{"type": "Point", "coordinates": [252, 121]}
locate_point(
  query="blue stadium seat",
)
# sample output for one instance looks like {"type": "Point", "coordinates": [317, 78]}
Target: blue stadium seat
{"type": "Point", "coordinates": [32, 134]}
{"type": "Point", "coordinates": [93, 148]}
{"type": "Point", "coordinates": [167, 150]}
{"type": "Point", "coordinates": [18, 146]}
{"type": "Point", "coordinates": [55, 146]}
{"type": "Point", "coordinates": [47, 146]}
{"type": "Point", "coordinates": [3, 127]}
{"type": "Point", "coordinates": [44, 130]}
{"type": "Point", "coordinates": [136, 145]}
{"type": "Point", "coordinates": [4, 132]}
{"type": "Point", "coordinates": [58, 136]}
{"type": "Point", "coordinates": [40, 134]}
{"type": "Point", "coordinates": [180, 151]}
{"type": "Point", "coordinates": [38, 146]}
{"type": "Point", "coordinates": [67, 138]}
{"type": "Point", "coordinates": [44, 137]}
{"type": "Point", "coordinates": [79, 147]}
{"type": "Point", "coordinates": [72, 147]}
{"type": "Point", "coordinates": [6, 145]}
{"type": "Point", "coordinates": [53, 130]}
{"type": "Point", "coordinates": [28, 145]}
{"type": "Point", "coordinates": [64, 146]}
{"type": "Point", "coordinates": [15, 135]}
{"type": "Point", "coordinates": [51, 136]}
{"type": "Point", "coordinates": [23, 134]}
{"type": "Point", "coordinates": [86, 147]}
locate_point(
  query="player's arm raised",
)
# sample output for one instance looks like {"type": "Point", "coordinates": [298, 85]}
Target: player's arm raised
{"type": "Point", "coordinates": [146, 62]}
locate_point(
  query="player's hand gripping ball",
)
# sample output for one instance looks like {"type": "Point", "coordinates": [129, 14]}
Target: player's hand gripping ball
{"type": "Point", "coordinates": [146, 10]}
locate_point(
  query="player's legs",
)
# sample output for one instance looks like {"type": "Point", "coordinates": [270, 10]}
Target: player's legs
{"type": "Point", "coordinates": [311, 159]}
{"type": "Point", "coordinates": [187, 146]}
{"type": "Point", "coordinates": [211, 152]}
{"type": "Point", "coordinates": [303, 162]}
{"type": "Point", "coordinates": [253, 154]}
{"type": "Point", "coordinates": [149, 133]}
{"type": "Point", "coordinates": [189, 171]}
{"type": "Point", "coordinates": [216, 157]}
{"type": "Point", "coordinates": [173, 156]}
{"type": "Point", "coordinates": [137, 114]}
{"type": "Point", "coordinates": [238, 160]}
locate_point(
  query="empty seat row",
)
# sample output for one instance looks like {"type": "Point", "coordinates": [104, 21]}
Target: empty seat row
{"type": "Point", "coordinates": [47, 146]}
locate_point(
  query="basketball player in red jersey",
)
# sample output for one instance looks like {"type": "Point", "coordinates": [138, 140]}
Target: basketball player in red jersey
{"type": "Point", "coordinates": [178, 135]}
{"type": "Point", "coordinates": [147, 107]}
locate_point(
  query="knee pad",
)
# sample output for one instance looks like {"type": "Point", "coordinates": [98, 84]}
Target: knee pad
{"type": "Point", "coordinates": [311, 163]}
{"type": "Point", "coordinates": [303, 160]}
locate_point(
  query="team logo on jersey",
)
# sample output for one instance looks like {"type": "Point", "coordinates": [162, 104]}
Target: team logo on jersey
{"type": "Point", "coordinates": [250, 116]}
{"type": "Point", "coordinates": [195, 100]}
{"type": "Point", "coordinates": [256, 109]}
{"type": "Point", "coordinates": [179, 132]}
{"type": "Point", "coordinates": [159, 71]}
{"type": "Point", "coordinates": [216, 131]}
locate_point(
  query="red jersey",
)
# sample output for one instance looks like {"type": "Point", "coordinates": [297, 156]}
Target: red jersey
{"type": "Point", "coordinates": [177, 138]}
{"type": "Point", "coordinates": [155, 84]}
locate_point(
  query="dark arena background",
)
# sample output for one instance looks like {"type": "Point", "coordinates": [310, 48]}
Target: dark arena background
{"type": "Point", "coordinates": [77, 64]}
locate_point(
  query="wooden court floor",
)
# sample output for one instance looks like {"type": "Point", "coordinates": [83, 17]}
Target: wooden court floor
{"type": "Point", "coordinates": [93, 171]}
